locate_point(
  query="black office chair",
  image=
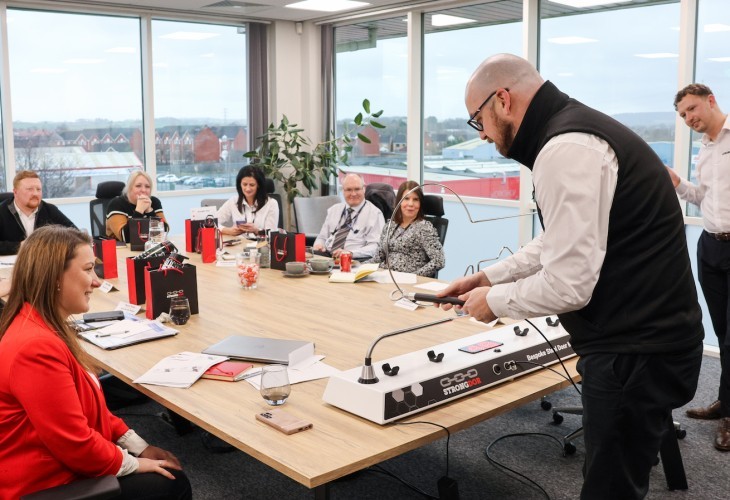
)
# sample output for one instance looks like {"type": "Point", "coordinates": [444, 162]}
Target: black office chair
{"type": "Point", "coordinates": [382, 196]}
{"type": "Point", "coordinates": [671, 456]}
{"type": "Point", "coordinates": [105, 192]}
{"type": "Point", "coordinates": [433, 209]}
{"type": "Point", "coordinates": [95, 488]}
{"type": "Point", "coordinates": [5, 196]}
{"type": "Point", "coordinates": [269, 187]}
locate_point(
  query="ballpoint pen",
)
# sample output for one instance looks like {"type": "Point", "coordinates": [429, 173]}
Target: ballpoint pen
{"type": "Point", "coordinates": [109, 334]}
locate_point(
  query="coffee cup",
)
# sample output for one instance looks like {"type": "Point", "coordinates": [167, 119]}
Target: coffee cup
{"type": "Point", "coordinates": [295, 267]}
{"type": "Point", "coordinates": [321, 265]}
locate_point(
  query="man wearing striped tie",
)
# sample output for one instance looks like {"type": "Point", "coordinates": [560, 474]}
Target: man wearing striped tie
{"type": "Point", "coordinates": [354, 225]}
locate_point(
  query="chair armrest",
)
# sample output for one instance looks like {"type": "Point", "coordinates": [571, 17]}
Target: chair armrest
{"type": "Point", "coordinates": [95, 488]}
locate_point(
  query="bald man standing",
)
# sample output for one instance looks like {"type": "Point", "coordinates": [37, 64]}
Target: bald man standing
{"type": "Point", "coordinates": [612, 262]}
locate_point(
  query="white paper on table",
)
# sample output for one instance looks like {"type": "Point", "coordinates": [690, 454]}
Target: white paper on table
{"type": "Point", "coordinates": [122, 329]}
{"type": "Point", "coordinates": [179, 370]}
{"type": "Point", "coordinates": [434, 286]}
{"type": "Point", "coordinates": [303, 365]}
{"type": "Point", "coordinates": [8, 260]}
{"type": "Point", "coordinates": [384, 277]}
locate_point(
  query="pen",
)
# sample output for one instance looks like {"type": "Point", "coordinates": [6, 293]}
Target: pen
{"type": "Point", "coordinates": [247, 375]}
{"type": "Point", "coordinates": [108, 334]}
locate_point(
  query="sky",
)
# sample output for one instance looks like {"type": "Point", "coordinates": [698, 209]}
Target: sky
{"type": "Point", "coordinates": [96, 71]}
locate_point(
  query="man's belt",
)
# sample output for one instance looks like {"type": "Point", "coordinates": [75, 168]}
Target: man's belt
{"type": "Point", "coordinates": [720, 236]}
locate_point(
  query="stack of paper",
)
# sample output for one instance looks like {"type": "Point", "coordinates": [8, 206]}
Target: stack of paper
{"type": "Point", "coordinates": [179, 370]}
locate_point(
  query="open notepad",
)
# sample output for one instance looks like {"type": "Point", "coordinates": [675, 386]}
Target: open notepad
{"type": "Point", "coordinates": [127, 332]}
{"type": "Point", "coordinates": [358, 274]}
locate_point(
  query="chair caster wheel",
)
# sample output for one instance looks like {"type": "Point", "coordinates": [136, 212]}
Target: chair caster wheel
{"type": "Point", "coordinates": [557, 418]}
{"type": "Point", "coordinates": [681, 433]}
{"type": "Point", "coordinates": [546, 405]}
{"type": "Point", "coordinates": [568, 449]}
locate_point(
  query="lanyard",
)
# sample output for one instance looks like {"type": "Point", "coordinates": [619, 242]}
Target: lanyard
{"type": "Point", "coordinates": [341, 224]}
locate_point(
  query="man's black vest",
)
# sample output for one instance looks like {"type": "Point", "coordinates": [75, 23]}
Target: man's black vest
{"type": "Point", "coordinates": [645, 299]}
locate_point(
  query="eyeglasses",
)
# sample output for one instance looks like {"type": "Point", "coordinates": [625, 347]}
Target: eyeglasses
{"type": "Point", "coordinates": [472, 122]}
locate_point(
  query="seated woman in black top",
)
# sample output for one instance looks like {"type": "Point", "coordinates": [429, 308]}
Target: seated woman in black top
{"type": "Point", "coordinates": [135, 202]}
{"type": "Point", "coordinates": [413, 243]}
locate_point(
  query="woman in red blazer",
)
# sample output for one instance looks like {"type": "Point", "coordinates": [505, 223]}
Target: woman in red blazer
{"type": "Point", "coordinates": [55, 427]}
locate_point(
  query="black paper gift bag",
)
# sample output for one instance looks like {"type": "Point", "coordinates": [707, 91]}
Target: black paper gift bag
{"type": "Point", "coordinates": [286, 247]}
{"type": "Point", "coordinates": [161, 285]}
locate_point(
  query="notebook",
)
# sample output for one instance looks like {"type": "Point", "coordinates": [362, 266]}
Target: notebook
{"type": "Point", "coordinates": [123, 334]}
{"type": "Point", "coordinates": [263, 350]}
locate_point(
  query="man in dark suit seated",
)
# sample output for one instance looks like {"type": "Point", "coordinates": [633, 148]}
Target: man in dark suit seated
{"type": "Point", "coordinates": [25, 212]}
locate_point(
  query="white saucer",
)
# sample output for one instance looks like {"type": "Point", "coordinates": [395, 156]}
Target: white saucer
{"type": "Point", "coordinates": [287, 274]}
{"type": "Point", "coordinates": [319, 272]}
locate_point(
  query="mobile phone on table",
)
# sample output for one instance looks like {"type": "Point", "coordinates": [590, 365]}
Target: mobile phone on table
{"type": "Point", "coordinates": [283, 421]}
{"type": "Point", "coordinates": [103, 316]}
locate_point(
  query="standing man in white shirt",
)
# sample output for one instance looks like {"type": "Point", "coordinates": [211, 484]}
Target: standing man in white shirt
{"type": "Point", "coordinates": [354, 225]}
{"type": "Point", "coordinates": [612, 262]}
{"type": "Point", "coordinates": [25, 212]}
{"type": "Point", "coordinates": [698, 108]}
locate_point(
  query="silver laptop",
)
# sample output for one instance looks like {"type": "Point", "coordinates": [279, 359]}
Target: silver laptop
{"type": "Point", "coordinates": [259, 349]}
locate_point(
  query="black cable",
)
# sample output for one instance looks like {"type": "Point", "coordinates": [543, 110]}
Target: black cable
{"type": "Point", "coordinates": [522, 478]}
{"type": "Point", "coordinates": [556, 354]}
{"type": "Point", "coordinates": [381, 470]}
{"type": "Point", "coordinates": [448, 437]}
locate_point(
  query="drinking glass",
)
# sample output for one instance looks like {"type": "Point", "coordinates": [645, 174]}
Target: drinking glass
{"type": "Point", "coordinates": [179, 310]}
{"type": "Point", "coordinates": [247, 269]}
{"type": "Point", "coordinates": [275, 388]}
{"type": "Point", "coordinates": [156, 233]}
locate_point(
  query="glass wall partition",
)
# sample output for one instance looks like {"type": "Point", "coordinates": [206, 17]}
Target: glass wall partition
{"type": "Point", "coordinates": [200, 104]}
{"type": "Point", "coordinates": [76, 105]}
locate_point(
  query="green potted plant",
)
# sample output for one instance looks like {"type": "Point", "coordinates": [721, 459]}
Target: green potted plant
{"type": "Point", "coordinates": [287, 156]}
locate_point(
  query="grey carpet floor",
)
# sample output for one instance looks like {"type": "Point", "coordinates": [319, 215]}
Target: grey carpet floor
{"type": "Point", "coordinates": [235, 475]}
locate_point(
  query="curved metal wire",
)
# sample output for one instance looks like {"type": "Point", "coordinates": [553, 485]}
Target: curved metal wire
{"type": "Point", "coordinates": [398, 293]}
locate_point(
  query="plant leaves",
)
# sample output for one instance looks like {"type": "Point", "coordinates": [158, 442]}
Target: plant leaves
{"type": "Point", "coordinates": [366, 106]}
{"type": "Point", "coordinates": [363, 138]}
{"type": "Point", "coordinates": [376, 124]}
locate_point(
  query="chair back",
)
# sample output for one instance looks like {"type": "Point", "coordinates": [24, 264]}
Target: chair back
{"type": "Point", "coordinates": [212, 202]}
{"type": "Point", "coordinates": [6, 196]}
{"type": "Point", "coordinates": [382, 196]}
{"type": "Point", "coordinates": [269, 187]}
{"type": "Point", "coordinates": [433, 209]}
{"type": "Point", "coordinates": [105, 192]}
{"type": "Point", "coordinates": [310, 213]}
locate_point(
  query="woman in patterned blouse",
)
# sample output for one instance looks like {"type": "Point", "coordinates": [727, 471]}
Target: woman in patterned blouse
{"type": "Point", "coordinates": [413, 243]}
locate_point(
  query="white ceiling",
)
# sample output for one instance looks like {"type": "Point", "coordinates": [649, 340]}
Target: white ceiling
{"type": "Point", "coordinates": [236, 9]}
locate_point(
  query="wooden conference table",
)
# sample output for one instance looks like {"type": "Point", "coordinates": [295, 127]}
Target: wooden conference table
{"type": "Point", "coordinates": [342, 320]}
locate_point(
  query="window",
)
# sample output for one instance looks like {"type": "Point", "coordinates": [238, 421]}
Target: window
{"type": "Point", "coordinates": [712, 68]}
{"type": "Point", "coordinates": [371, 63]}
{"type": "Point", "coordinates": [66, 97]}
{"type": "Point", "coordinates": [454, 155]}
{"type": "Point", "coordinates": [622, 61]}
{"type": "Point", "coordinates": [200, 104]}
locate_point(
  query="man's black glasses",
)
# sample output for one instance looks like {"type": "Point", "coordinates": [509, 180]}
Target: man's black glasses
{"type": "Point", "coordinates": [472, 122]}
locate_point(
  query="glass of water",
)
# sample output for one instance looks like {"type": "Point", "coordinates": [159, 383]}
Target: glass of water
{"type": "Point", "coordinates": [179, 310]}
{"type": "Point", "coordinates": [275, 388]}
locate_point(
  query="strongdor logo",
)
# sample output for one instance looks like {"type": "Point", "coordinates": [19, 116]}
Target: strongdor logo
{"type": "Point", "coordinates": [460, 381]}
